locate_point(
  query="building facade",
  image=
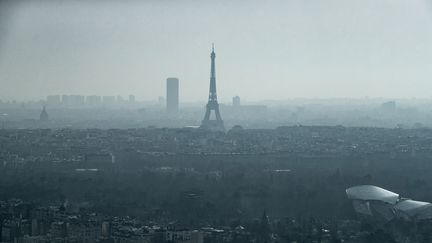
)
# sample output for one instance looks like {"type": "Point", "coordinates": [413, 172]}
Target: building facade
{"type": "Point", "coordinates": [172, 95]}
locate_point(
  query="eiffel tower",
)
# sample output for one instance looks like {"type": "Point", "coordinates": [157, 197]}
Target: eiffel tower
{"type": "Point", "coordinates": [212, 105]}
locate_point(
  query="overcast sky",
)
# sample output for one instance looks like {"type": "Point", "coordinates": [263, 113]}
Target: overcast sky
{"type": "Point", "coordinates": [264, 49]}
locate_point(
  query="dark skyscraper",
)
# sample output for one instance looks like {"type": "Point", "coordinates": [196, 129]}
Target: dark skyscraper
{"type": "Point", "coordinates": [212, 104]}
{"type": "Point", "coordinates": [172, 95]}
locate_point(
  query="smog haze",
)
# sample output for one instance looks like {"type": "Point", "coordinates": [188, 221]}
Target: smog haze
{"type": "Point", "coordinates": [265, 49]}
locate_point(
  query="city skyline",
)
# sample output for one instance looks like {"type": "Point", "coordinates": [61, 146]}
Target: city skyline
{"type": "Point", "coordinates": [115, 127]}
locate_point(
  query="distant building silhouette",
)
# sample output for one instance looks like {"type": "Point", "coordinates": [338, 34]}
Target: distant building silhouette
{"type": "Point", "coordinates": [236, 101]}
{"type": "Point", "coordinates": [213, 104]}
{"type": "Point", "coordinates": [131, 98]}
{"type": "Point", "coordinates": [43, 115]}
{"type": "Point", "coordinates": [389, 106]}
{"type": "Point", "coordinates": [76, 100]}
{"type": "Point", "coordinates": [65, 100]}
{"type": "Point", "coordinates": [93, 100]}
{"type": "Point", "coordinates": [172, 95]}
{"type": "Point", "coordinates": [53, 100]}
{"type": "Point", "coordinates": [120, 99]}
{"type": "Point", "coordinates": [68, 100]}
{"type": "Point", "coordinates": [109, 100]}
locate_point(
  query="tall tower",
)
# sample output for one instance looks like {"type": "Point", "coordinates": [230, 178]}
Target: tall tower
{"type": "Point", "coordinates": [212, 105]}
{"type": "Point", "coordinates": [172, 95]}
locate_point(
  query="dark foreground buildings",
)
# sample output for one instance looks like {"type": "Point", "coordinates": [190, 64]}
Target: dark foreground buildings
{"type": "Point", "coordinates": [188, 185]}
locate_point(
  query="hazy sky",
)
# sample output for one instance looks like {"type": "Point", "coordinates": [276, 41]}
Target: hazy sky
{"type": "Point", "coordinates": [264, 49]}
